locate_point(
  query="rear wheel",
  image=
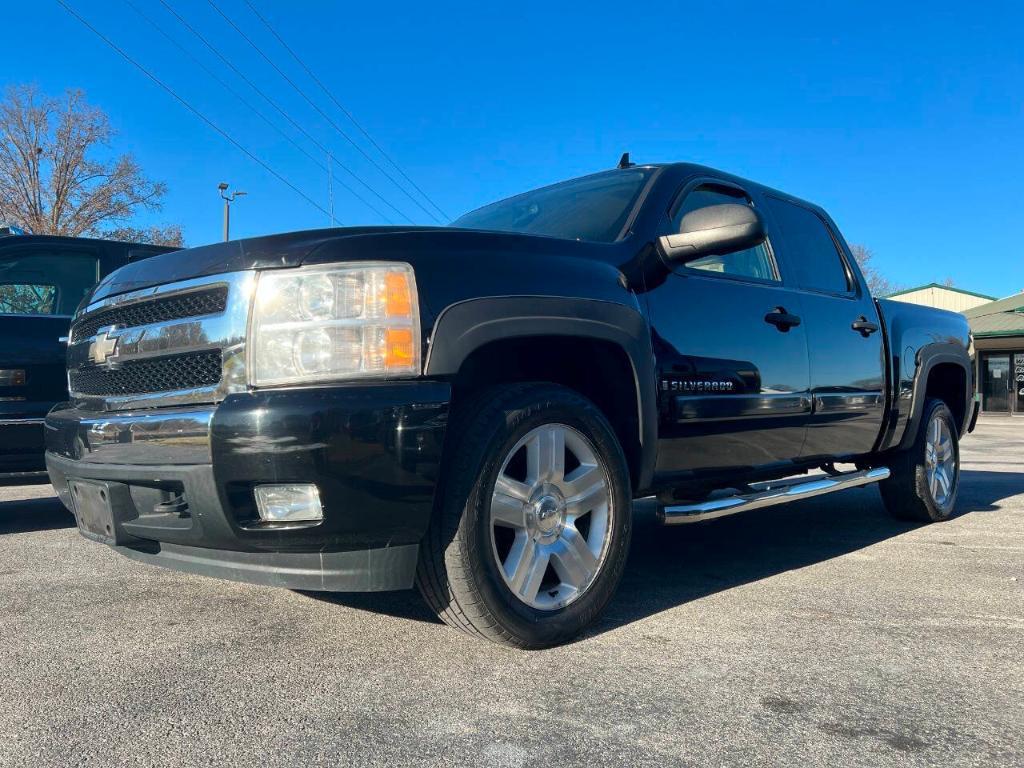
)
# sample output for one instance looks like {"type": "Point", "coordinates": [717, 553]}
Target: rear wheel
{"type": "Point", "coordinates": [533, 531]}
{"type": "Point", "coordinates": [926, 477]}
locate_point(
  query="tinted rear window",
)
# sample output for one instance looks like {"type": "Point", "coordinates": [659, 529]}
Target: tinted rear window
{"type": "Point", "coordinates": [593, 208]}
{"type": "Point", "coordinates": [44, 282]}
{"type": "Point", "coordinates": [809, 248]}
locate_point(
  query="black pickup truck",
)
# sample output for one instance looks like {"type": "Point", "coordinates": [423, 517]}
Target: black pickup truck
{"type": "Point", "coordinates": [42, 280]}
{"type": "Point", "coordinates": [472, 409]}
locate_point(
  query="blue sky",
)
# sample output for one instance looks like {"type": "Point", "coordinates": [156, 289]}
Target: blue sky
{"type": "Point", "coordinates": [906, 121]}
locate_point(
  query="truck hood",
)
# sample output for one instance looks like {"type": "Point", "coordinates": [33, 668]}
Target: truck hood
{"type": "Point", "coordinates": [339, 244]}
{"type": "Point", "coordinates": [268, 252]}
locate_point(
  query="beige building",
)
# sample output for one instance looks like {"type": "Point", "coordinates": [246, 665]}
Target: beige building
{"type": "Point", "coordinates": [942, 297]}
{"type": "Point", "coordinates": [998, 329]}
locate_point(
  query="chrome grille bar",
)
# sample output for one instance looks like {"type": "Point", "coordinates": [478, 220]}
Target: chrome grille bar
{"type": "Point", "coordinates": [192, 303]}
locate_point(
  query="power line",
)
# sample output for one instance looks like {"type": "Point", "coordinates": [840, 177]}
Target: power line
{"type": "Point", "coordinates": [283, 113]}
{"type": "Point", "coordinates": [190, 108]}
{"type": "Point", "coordinates": [216, 78]}
{"type": "Point", "coordinates": [323, 114]}
{"type": "Point", "coordinates": [340, 106]}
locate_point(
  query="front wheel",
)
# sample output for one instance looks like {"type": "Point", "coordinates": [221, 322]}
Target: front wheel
{"type": "Point", "coordinates": [533, 529]}
{"type": "Point", "coordinates": [926, 477]}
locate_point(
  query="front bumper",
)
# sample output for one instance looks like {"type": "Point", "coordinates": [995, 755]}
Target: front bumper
{"type": "Point", "coordinates": [374, 452]}
{"type": "Point", "coordinates": [21, 447]}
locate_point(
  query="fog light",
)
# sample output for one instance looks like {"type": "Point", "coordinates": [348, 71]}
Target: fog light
{"type": "Point", "coordinates": [288, 503]}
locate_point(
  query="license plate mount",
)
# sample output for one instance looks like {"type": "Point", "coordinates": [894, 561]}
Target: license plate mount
{"type": "Point", "coordinates": [94, 509]}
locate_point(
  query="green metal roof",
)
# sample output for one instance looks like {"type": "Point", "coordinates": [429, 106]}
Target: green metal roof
{"type": "Point", "coordinates": [943, 287]}
{"type": "Point", "coordinates": [998, 318]}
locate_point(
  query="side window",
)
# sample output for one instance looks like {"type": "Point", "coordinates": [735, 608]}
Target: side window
{"type": "Point", "coordinates": [754, 262]}
{"type": "Point", "coordinates": [808, 246]}
{"type": "Point", "coordinates": [40, 281]}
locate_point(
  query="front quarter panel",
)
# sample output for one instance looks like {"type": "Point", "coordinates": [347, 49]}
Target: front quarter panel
{"type": "Point", "coordinates": [469, 325]}
{"type": "Point", "coordinates": [474, 290]}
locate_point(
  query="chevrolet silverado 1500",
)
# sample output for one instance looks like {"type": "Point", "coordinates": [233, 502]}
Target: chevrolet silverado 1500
{"type": "Point", "coordinates": [472, 409]}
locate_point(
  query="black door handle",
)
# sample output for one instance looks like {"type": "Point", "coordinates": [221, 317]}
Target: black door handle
{"type": "Point", "coordinates": [864, 326]}
{"type": "Point", "coordinates": [781, 319]}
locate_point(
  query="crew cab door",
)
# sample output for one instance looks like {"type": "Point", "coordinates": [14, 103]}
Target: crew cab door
{"type": "Point", "coordinates": [844, 334]}
{"type": "Point", "coordinates": [731, 355]}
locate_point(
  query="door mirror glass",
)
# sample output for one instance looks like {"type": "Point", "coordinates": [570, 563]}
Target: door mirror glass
{"type": "Point", "coordinates": [715, 230]}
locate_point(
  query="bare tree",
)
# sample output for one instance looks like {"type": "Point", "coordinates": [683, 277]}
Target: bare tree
{"type": "Point", "coordinates": [878, 284]}
{"type": "Point", "coordinates": [27, 299]}
{"type": "Point", "coordinates": [57, 175]}
{"type": "Point", "coordinates": [169, 235]}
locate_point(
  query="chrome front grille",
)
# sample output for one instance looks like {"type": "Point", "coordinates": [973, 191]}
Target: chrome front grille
{"type": "Point", "coordinates": [190, 304]}
{"type": "Point", "coordinates": [174, 344]}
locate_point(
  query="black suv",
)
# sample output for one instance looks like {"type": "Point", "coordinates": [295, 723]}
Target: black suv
{"type": "Point", "coordinates": [472, 409]}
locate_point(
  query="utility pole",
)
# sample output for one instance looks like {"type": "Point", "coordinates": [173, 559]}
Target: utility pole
{"type": "Point", "coordinates": [228, 200]}
{"type": "Point", "coordinates": [330, 186]}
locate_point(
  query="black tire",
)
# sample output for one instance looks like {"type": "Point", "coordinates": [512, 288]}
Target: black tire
{"type": "Point", "coordinates": [457, 574]}
{"type": "Point", "coordinates": [907, 493]}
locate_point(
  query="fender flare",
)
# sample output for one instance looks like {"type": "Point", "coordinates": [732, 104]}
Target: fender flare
{"type": "Point", "coordinates": [927, 358]}
{"type": "Point", "coordinates": [466, 326]}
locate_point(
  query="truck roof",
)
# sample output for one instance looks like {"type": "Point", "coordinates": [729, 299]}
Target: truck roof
{"type": "Point", "coordinates": [12, 238]}
{"type": "Point", "coordinates": [689, 170]}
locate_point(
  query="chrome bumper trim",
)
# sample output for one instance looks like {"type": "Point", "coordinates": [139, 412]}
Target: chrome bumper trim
{"type": "Point", "coordinates": [167, 436]}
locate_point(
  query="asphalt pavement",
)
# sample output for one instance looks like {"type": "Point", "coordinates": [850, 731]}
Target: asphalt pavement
{"type": "Point", "coordinates": [820, 634]}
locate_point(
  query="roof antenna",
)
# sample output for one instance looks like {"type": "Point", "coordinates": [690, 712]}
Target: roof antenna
{"type": "Point", "coordinates": [624, 161]}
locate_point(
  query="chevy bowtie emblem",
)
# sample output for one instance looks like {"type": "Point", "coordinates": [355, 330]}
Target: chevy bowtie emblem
{"type": "Point", "coordinates": [103, 347]}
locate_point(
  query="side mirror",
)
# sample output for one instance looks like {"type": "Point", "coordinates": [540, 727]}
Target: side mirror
{"type": "Point", "coordinates": [715, 230]}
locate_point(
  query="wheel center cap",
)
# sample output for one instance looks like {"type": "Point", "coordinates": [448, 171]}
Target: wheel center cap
{"type": "Point", "coordinates": [547, 512]}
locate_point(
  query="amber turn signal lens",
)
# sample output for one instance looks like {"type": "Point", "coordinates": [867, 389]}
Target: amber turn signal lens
{"type": "Point", "coordinates": [398, 301]}
{"type": "Point", "coordinates": [399, 352]}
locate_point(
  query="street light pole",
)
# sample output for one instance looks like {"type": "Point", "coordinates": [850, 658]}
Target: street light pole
{"type": "Point", "coordinates": [228, 200]}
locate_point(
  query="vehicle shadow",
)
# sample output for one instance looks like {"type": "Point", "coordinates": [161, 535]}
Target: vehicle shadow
{"type": "Point", "coordinates": [982, 490]}
{"type": "Point", "coordinates": [670, 566]}
{"type": "Point", "coordinates": [37, 514]}
{"type": "Point", "coordinates": [406, 604]}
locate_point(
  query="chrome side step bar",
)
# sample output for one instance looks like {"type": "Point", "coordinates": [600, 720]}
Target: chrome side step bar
{"type": "Point", "coordinates": [768, 494]}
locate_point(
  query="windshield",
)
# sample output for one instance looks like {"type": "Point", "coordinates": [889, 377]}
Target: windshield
{"type": "Point", "coordinates": [41, 282]}
{"type": "Point", "coordinates": [591, 208]}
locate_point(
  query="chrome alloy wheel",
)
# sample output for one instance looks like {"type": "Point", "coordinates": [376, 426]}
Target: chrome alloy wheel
{"type": "Point", "coordinates": [550, 517]}
{"type": "Point", "coordinates": [940, 462]}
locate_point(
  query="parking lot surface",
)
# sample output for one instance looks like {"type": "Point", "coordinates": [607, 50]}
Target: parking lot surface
{"type": "Point", "coordinates": [824, 633]}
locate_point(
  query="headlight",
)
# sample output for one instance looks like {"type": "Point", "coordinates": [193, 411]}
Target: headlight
{"type": "Point", "coordinates": [342, 321]}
